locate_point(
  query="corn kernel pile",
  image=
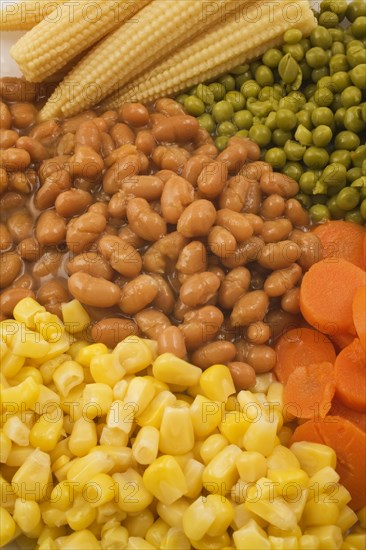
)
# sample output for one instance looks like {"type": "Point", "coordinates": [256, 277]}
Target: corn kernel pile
{"type": "Point", "coordinates": [110, 449]}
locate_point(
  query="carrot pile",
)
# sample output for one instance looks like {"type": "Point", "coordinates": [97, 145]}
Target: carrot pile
{"type": "Point", "coordinates": [323, 367]}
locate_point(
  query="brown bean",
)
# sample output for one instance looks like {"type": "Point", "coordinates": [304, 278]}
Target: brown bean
{"type": "Point", "coordinates": [250, 308]}
{"type": "Point", "coordinates": [113, 330]}
{"type": "Point", "coordinates": [282, 280]}
{"type": "Point", "coordinates": [192, 258]}
{"type": "Point", "coordinates": [248, 251]}
{"type": "Point", "coordinates": [47, 132]}
{"type": "Point", "coordinates": [72, 202]}
{"type": "Point", "coordinates": [122, 134]}
{"type": "Point", "coordinates": [207, 149]}
{"type": "Point", "coordinates": [164, 175]}
{"type": "Point", "coordinates": [6, 240]}
{"type": "Point", "coordinates": [10, 267]}
{"type": "Point", "coordinates": [11, 201]}
{"type": "Point", "coordinates": [107, 145]}
{"type": "Point", "coordinates": [253, 150]}
{"type": "Point", "coordinates": [177, 194]}
{"type": "Point", "coordinates": [216, 270]}
{"type": "Point", "coordinates": [256, 222]}
{"type": "Point", "coordinates": [169, 107]}
{"type": "Point", "coordinates": [83, 231]}
{"type": "Point", "coordinates": [152, 322]}
{"type": "Point", "coordinates": [72, 124]}
{"type": "Point", "coordinates": [176, 129]}
{"type": "Point", "coordinates": [29, 249]}
{"type": "Point", "coordinates": [145, 142]}
{"type": "Point", "coordinates": [120, 153]}
{"type": "Point", "coordinates": [241, 195]}
{"type": "Point", "coordinates": [145, 187]}
{"type": "Point", "coordinates": [201, 326]}
{"type": "Point", "coordinates": [91, 263]}
{"type": "Point", "coordinates": [8, 138]}
{"type": "Point", "coordinates": [279, 321]}
{"type": "Point", "coordinates": [48, 264]}
{"type": "Point", "coordinates": [202, 138]}
{"type": "Point", "coordinates": [23, 182]}
{"type": "Point", "coordinates": [279, 255]}
{"type": "Point", "coordinates": [122, 256]}
{"type": "Point", "coordinates": [128, 236]}
{"type": "Point", "coordinates": [93, 291]}
{"type": "Point", "coordinates": [199, 289]}
{"type": "Point", "coordinates": [52, 165]}
{"type": "Point", "coordinates": [170, 158]}
{"type": "Point", "coordinates": [273, 207]}
{"type": "Point", "coordinates": [234, 156]}
{"type": "Point", "coordinates": [10, 297]}
{"type": "Point", "coordinates": [171, 340]}
{"type": "Point", "coordinates": [5, 117]}
{"type": "Point", "coordinates": [110, 118]}
{"type": "Point", "coordinates": [36, 150]}
{"type": "Point", "coordinates": [197, 219]}
{"type": "Point", "coordinates": [54, 185]}
{"type": "Point", "coordinates": [258, 333]}
{"type": "Point", "coordinates": [137, 294]}
{"type": "Point", "coordinates": [17, 89]}
{"type": "Point", "coordinates": [295, 212]}
{"type": "Point", "coordinates": [20, 225]}
{"type": "Point", "coordinates": [180, 310]}
{"type": "Point", "coordinates": [213, 353]}
{"type": "Point", "coordinates": [262, 358]}
{"type": "Point", "coordinates": [235, 284]}
{"type": "Point", "coordinates": [253, 198]}
{"type": "Point", "coordinates": [291, 301]}
{"type": "Point", "coordinates": [236, 223]}
{"type": "Point", "coordinates": [146, 223]}
{"type": "Point", "coordinates": [50, 228]}
{"type": "Point", "coordinates": [310, 248]}
{"type": "Point", "coordinates": [99, 208]}
{"type": "Point", "coordinates": [159, 257]}
{"type": "Point", "coordinates": [128, 166]}
{"type": "Point", "coordinates": [88, 135]}
{"type": "Point", "coordinates": [3, 180]}
{"type": "Point", "coordinates": [165, 299]}
{"type": "Point", "coordinates": [193, 168]}
{"type": "Point", "coordinates": [14, 159]}
{"type": "Point", "coordinates": [23, 114]}
{"type": "Point", "coordinates": [134, 114]}
{"type": "Point", "coordinates": [243, 375]}
{"type": "Point", "coordinates": [86, 163]}
{"type": "Point", "coordinates": [283, 185]}
{"type": "Point", "coordinates": [52, 294]}
{"type": "Point", "coordinates": [221, 242]}
{"type": "Point", "coordinates": [276, 230]}
{"type": "Point", "coordinates": [24, 281]}
{"type": "Point", "coordinates": [66, 145]}
{"type": "Point", "coordinates": [212, 178]}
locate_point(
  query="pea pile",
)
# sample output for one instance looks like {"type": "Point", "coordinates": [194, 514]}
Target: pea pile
{"type": "Point", "coordinates": [305, 106]}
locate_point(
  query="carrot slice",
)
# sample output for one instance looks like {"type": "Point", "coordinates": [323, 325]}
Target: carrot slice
{"type": "Point", "coordinates": [338, 409]}
{"type": "Point", "coordinates": [326, 295]}
{"type": "Point", "coordinates": [309, 390]}
{"type": "Point", "coordinates": [349, 443]}
{"type": "Point", "coordinates": [350, 376]}
{"type": "Point", "coordinates": [300, 347]}
{"type": "Point", "coordinates": [342, 340]}
{"type": "Point", "coordinates": [341, 239]}
{"type": "Point", "coordinates": [359, 314]}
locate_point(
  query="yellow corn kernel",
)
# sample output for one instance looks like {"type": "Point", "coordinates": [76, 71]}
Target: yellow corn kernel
{"type": "Point", "coordinates": [346, 519]}
{"type": "Point", "coordinates": [251, 465]}
{"type": "Point", "coordinates": [153, 413]}
{"type": "Point", "coordinates": [232, 403]}
{"type": "Point", "coordinates": [99, 490]}
{"type": "Point", "coordinates": [119, 389]}
{"type": "Point", "coordinates": [216, 383]}
{"type": "Point", "coordinates": [361, 514]}
{"type": "Point", "coordinates": [289, 482]}
{"type": "Point", "coordinates": [11, 364]}
{"type": "Point", "coordinates": [5, 447]}
{"type": "Point", "coordinates": [223, 513]}
{"type": "Point", "coordinates": [212, 446]}
{"type": "Point", "coordinates": [192, 528]}
{"type": "Point", "coordinates": [175, 539]}
{"type": "Point", "coordinates": [138, 543]}
{"type": "Point", "coordinates": [25, 310]}
{"type": "Point", "coordinates": [276, 532]}
{"type": "Point", "coordinates": [165, 480]}
{"type": "Point", "coordinates": [140, 392]}
{"type": "Point", "coordinates": [31, 479]}
{"type": "Point", "coordinates": [260, 436]}
{"type": "Point", "coordinates": [233, 426]}
{"type": "Point", "coordinates": [281, 458]}
{"type": "Point", "coordinates": [158, 384]}
{"type": "Point", "coordinates": [49, 326]}
{"type": "Point", "coordinates": [275, 394]}
{"type": "Point", "coordinates": [114, 537]}
{"type": "Point", "coordinates": [81, 540]}
{"type": "Point", "coordinates": [17, 431]}
{"type": "Point", "coordinates": [109, 514]}
{"type": "Point", "coordinates": [51, 533]}
{"type": "Point", "coordinates": [320, 511]}
{"type": "Point", "coordinates": [83, 436]}
{"type": "Point", "coordinates": [113, 436]}
{"type": "Point", "coordinates": [18, 455]}
{"type": "Point", "coordinates": [81, 514]}
{"type": "Point", "coordinates": [343, 495]}
{"type": "Point", "coordinates": [47, 401]}
{"type": "Point", "coordinates": [356, 541]}
{"type": "Point", "coordinates": [297, 502]}
{"type": "Point", "coordinates": [313, 456]}
{"type": "Point", "coordinates": [133, 354]}
{"type": "Point", "coordinates": [251, 536]}
{"type": "Point", "coordinates": [133, 494]}
{"type": "Point", "coordinates": [47, 368]}
{"type": "Point", "coordinates": [308, 542]}
{"type": "Point", "coordinates": [67, 376]}
{"type": "Point", "coordinates": [121, 416]}
{"type": "Point", "coordinates": [27, 515]}
{"type": "Point", "coordinates": [105, 368]}
{"type": "Point", "coordinates": [193, 471]}
{"type": "Point", "coordinates": [275, 511]}
{"type": "Point", "coordinates": [86, 353]}
{"type": "Point", "coordinates": [75, 347]}
{"type": "Point", "coordinates": [283, 543]}
{"type": "Point", "coordinates": [47, 544]}
{"type": "Point", "coordinates": [176, 431]}
{"type": "Point", "coordinates": [97, 399]}
{"type": "Point", "coordinates": [83, 469]}
{"type": "Point", "coordinates": [63, 495]}
{"type": "Point", "coordinates": [28, 343]}
{"type": "Point", "coordinates": [325, 479]}
{"type": "Point", "coordinates": [146, 445]}
{"type": "Point", "coordinates": [8, 329]}
{"type": "Point", "coordinates": [19, 397]}
{"type": "Point", "coordinates": [7, 495]}
{"type": "Point", "coordinates": [330, 536]}
{"type": "Point", "coordinates": [57, 348]}
{"type": "Point", "coordinates": [156, 533]}
{"type": "Point", "coordinates": [121, 456]}
{"type": "Point", "coordinates": [75, 317]}
{"type": "Point", "coordinates": [221, 473]}
{"type": "Point", "coordinates": [206, 415]}
{"type": "Point", "coordinates": [172, 514]}
{"type": "Point", "coordinates": [170, 369]}
{"type": "Point", "coordinates": [238, 492]}
{"type": "Point", "coordinates": [72, 403]}
{"type": "Point", "coordinates": [7, 527]}
{"type": "Point", "coordinates": [26, 371]}
{"type": "Point", "coordinates": [250, 406]}
{"type": "Point", "coordinates": [47, 430]}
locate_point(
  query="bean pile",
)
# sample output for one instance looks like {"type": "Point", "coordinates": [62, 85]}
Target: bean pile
{"type": "Point", "coordinates": [138, 216]}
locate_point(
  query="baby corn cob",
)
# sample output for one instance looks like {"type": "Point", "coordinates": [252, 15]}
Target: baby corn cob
{"type": "Point", "coordinates": [51, 44]}
{"type": "Point", "coordinates": [160, 28]}
{"type": "Point", "coordinates": [220, 49]}
{"type": "Point", "coordinates": [25, 14]}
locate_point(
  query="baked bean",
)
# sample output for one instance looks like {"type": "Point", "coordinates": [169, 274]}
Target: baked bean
{"type": "Point", "coordinates": [199, 288]}
{"type": "Point", "coordinates": [155, 118]}
{"type": "Point", "coordinates": [83, 231]}
{"type": "Point", "coordinates": [98, 207]}
{"type": "Point", "coordinates": [14, 159]}
{"type": "Point", "coordinates": [258, 333]}
{"type": "Point", "coordinates": [120, 153]}
{"type": "Point", "coordinates": [3, 180]}
{"type": "Point", "coordinates": [216, 270]}
{"type": "Point", "coordinates": [128, 166]}
{"type": "Point", "coordinates": [197, 219]}
{"type": "Point", "coordinates": [310, 248]}
{"type": "Point", "coordinates": [273, 207]}
{"type": "Point", "coordinates": [134, 114]}
{"type": "Point", "coordinates": [212, 179]}
{"type": "Point", "coordinates": [117, 205]}
{"type": "Point", "coordinates": [10, 297]}
{"type": "Point", "coordinates": [255, 170]}
{"type": "Point", "coordinates": [23, 114]}
{"type": "Point", "coordinates": [17, 89]}
{"type": "Point", "coordinates": [171, 340]}
{"type": "Point", "coordinates": [251, 307]}
{"type": "Point", "coordinates": [165, 297]}
{"type": "Point", "coordinates": [72, 202]}
{"type": "Point", "coordinates": [170, 158]}
{"type": "Point", "coordinates": [243, 375]}
{"type": "Point", "coordinates": [145, 187]}
{"type": "Point", "coordinates": [176, 129]}
{"type": "Point", "coordinates": [24, 281]}
{"type": "Point", "coordinates": [279, 255]}
{"type": "Point", "coordinates": [291, 301]}
{"type": "Point", "coordinates": [281, 280]}
{"type": "Point", "coordinates": [262, 358]}
{"type": "Point", "coordinates": [110, 118]}
{"type": "Point", "coordinates": [36, 150]}
{"type": "Point", "coordinates": [248, 251]}
{"type": "Point", "coordinates": [241, 195]}
{"type": "Point", "coordinates": [235, 284]}
{"type": "Point", "coordinates": [145, 142]}
{"type": "Point", "coordinates": [233, 156]}
{"type": "Point", "coordinates": [128, 236]}
{"type": "Point", "coordinates": [279, 321]}
{"type": "Point", "coordinates": [93, 291]}
{"type": "Point", "coordinates": [73, 123]}
{"type": "Point", "coordinates": [256, 222]}
{"type": "Point", "coordinates": [86, 162]}
{"type": "Point", "coordinates": [146, 223]}
{"type": "Point", "coordinates": [54, 185]}
{"type": "Point", "coordinates": [47, 264]}
{"type": "Point", "coordinates": [29, 249]}
{"type": "Point", "coordinates": [162, 254]}
{"type": "Point", "coordinates": [47, 133]}
{"type": "Point", "coordinates": [92, 263]}
{"type": "Point", "coordinates": [8, 138]}
{"type": "Point", "coordinates": [192, 258]}
{"type": "Point", "coordinates": [100, 124]}
{"type": "Point", "coordinates": [50, 228]}
{"type": "Point", "coordinates": [295, 212]}
{"type": "Point", "coordinates": [221, 242]}
{"type": "Point", "coordinates": [276, 230]}
{"type": "Point", "coordinates": [137, 294]}
{"type": "Point", "coordinates": [207, 149]}
{"type": "Point", "coordinates": [5, 117]}
{"type": "Point", "coordinates": [10, 267]}
{"type": "Point", "coordinates": [113, 330]}
{"type": "Point", "coordinates": [193, 168]}
{"type": "Point", "coordinates": [152, 322]}
{"type": "Point", "coordinates": [20, 225]}
{"type": "Point", "coordinates": [177, 194]}
{"type": "Point", "coordinates": [106, 145]}
{"type": "Point", "coordinates": [122, 256]}
{"type": "Point", "coordinates": [169, 107]}
{"type": "Point", "coordinates": [10, 201]}
{"type": "Point", "coordinates": [253, 150]}
{"type": "Point", "coordinates": [202, 138]}
{"type": "Point", "coordinates": [88, 135]}
{"type": "Point", "coordinates": [52, 294]}
{"type": "Point", "coordinates": [23, 182]}
{"type": "Point", "coordinates": [180, 310]}
{"type": "Point", "coordinates": [283, 185]}
{"type": "Point", "coordinates": [213, 353]}
{"type": "Point", "coordinates": [6, 240]}
{"type": "Point", "coordinates": [53, 165]}
{"type": "Point", "coordinates": [122, 134]}
{"type": "Point", "coordinates": [236, 223]}
{"type": "Point", "coordinates": [164, 175]}
{"type": "Point", "coordinates": [201, 326]}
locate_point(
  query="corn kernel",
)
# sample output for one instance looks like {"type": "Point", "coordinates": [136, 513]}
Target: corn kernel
{"type": "Point", "coordinates": [251, 536]}
{"type": "Point", "coordinates": [356, 541]}
{"type": "Point", "coordinates": [221, 473]}
{"type": "Point", "coordinates": [251, 465]}
{"type": "Point", "coordinates": [49, 326]}
{"type": "Point", "coordinates": [330, 536]}
{"type": "Point", "coordinates": [121, 456]}
{"type": "Point", "coordinates": [156, 533]}
{"type": "Point", "coordinates": [57, 348]}
{"type": "Point", "coordinates": [114, 538]}
{"type": "Point", "coordinates": [11, 364]}
{"type": "Point", "coordinates": [313, 456]}
{"type": "Point", "coordinates": [172, 514]}
{"type": "Point", "coordinates": [8, 526]}
{"type": "Point", "coordinates": [346, 519]}
{"type": "Point", "coordinates": [193, 471]}
{"type": "Point", "coordinates": [105, 368]}
{"type": "Point", "coordinates": [99, 490]}
{"type": "Point", "coordinates": [172, 370]}
{"type": "Point", "coordinates": [26, 371]}
{"type": "Point", "coordinates": [283, 543]}
{"type": "Point", "coordinates": [297, 502]}
{"type": "Point", "coordinates": [113, 436]}
{"type": "Point", "coordinates": [29, 343]}
{"type": "Point", "coordinates": [5, 447]}
{"type": "Point", "coordinates": [97, 399]}
{"type": "Point", "coordinates": [83, 437]}
{"type": "Point", "coordinates": [86, 353]}
{"type": "Point", "coordinates": [18, 455]}
{"type": "Point", "coordinates": [343, 495]}
{"type": "Point", "coordinates": [321, 511]}
{"type": "Point", "coordinates": [263, 382]}
{"type": "Point", "coordinates": [32, 478]}
{"type": "Point", "coordinates": [62, 495]}
{"type": "Point", "coordinates": [212, 446]}
{"type": "Point", "coordinates": [250, 406]}
{"type": "Point", "coordinates": [192, 528]}
{"type": "Point", "coordinates": [7, 495]}
{"type": "Point", "coordinates": [146, 445]}
{"type": "Point", "coordinates": [121, 416]}
{"type": "Point", "coordinates": [81, 514]}
{"type": "Point", "coordinates": [138, 543]}
{"type": "Point", "coordinates": [221, 542]}
{"type": "Point", "coordinates": [153, 413]}
{"type": "Point", "coordinates": [109, 514]}
{"type": "Point", "coordinates": [47, 401]}
{"type": "Point", "coordinates": [17, 431]}
{"type": "Point", "coordinates": [21, 396]}
{"type": "Point", "coordinates": [260, 436]}
{"type": "Point", "coordinates": [281, 458]}
{"type": "Point", "coordinates": [75, 317]}
{"type": "Point", "coordinates": [175, 539]}
{"type": "Point", "coordinates": [206, 416]}
{"type": "Point", "coordinates": [233, 426]}
{"type": "Point", "coordinates": [83, 469]}
{"type": "Point", "coordinates": [133, 494]}
{"type": "Point", "coordinates": [285, 435]}
{"type": "Point", "coordinates": [165, 480]}
{"type": "Point", "coordinates": [361, 514]}
{"type": "Point", "coordinates": [176, 431]}
{"type": "Point", "coordinates": [27, 515]}
{"type": "Point", "coordinates": [325, 479]}
{"type": "Point", "coordinates": [216, 383]}
{"type": "Point", "coordinates": [140, 392]}
{"type": "Point", "coordinates": [25, 310]}
{"type": "Point", "coordinates": [133, 354]}
{"type": "Point", "coordinates": [275, 511]}
{"type": "Point", "coordinates": [81, 540]}
{"type": "Point", "coordinates": [290, 482]}
{"type": "Point", "coordinates": [308, 542]}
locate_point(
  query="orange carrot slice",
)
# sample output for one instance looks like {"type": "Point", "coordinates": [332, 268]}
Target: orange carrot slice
{"type": "Point", "coordinates": [349, 443]}
{"type": "Point", "coordinates": [326, 295]}
{"type": "Point", "coordinates": [309, 391]}
{"type": "Point", "coordinates": [300, 347]}
{"type": "Point", "coordinates": [350, 376]}
{"type": "Point", "coordinates": [338, 409]}
{"type": "Point", "coordinates": [359, 314]}
{"type": "Point", "coordinates": [342, 340]}
{"type": "Point", "coordinates": [341, 239]}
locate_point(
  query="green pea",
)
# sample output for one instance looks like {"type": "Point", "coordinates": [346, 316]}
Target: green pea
{"type": "Point", "coordinates": [242, 133]}
{"type": "Point", "coordinates": [241, 78]}
{"type": "Point", "coordinates": [260, 134]}
{"type": "Point", "coordinates": [294, 151]}
{"type": "Point", "coordinates": [320, 36]}
{"type": "Point", "coordinates": [289, 69]}
{"type": "Point", "coordinates": [354, 216]}
{"type": "Point", "coordinates": [272, 57]}
{"type": "Point", "coordinates": [239, 69]}
{"type": "Point", "coordinates": [207, 122]}
{"type": "Point", "coordinates": [304, 119]}
{"type": "Point", "coordinates": [276, 157]}
{"type": "Point", "coordinates": [204, 93]}
{"type": "Point", "coordinates": [355, 9]}
{"type": "Point", "coordinates": [322, 136]}
{"type": "Point", "coordinates": [347, 140]}
{"type": "Point", "coordinates": [334, 174]}
{"type": "Point", "coordinates": [351, 96]}
{"type": "Point", "coordinates": [293, 170]}
{"type": "Point", "coordinates": [221, 142]}
{"type": "Point", "coordinates": [323, 97]}
{"type": "Point", "coordinates": [317, 74]}
{"type": "Point", "coordinates": [310, 91]}
{"type": "Point", "coordinates": [223, 110]}
{"type": "Point", "coordinates": [363, 168]}
{"type": "Point", "coordinates": [305, 43]}
{"type": "Point", "coordinates": [303, 135]}
{"type": "Point", "coordinates": [292, 36]}
{"type": "Point", "coordinates": [336, 213]}
{"type": "Point", "coordinates": [304, 200]}
{"type": "Point", "coordinates": [279, 137]}
{"type": "Point", "coordinates": [315, 157]}
{"type": "Point", "coordinates": [338, 47]}
{"type": "Point", "coordinates": [310, 106]}
{"type": "Point", "coordinates": [353, 120]}
{"type": "Point", "coordinates": [328, 19]}
{"type": "Point", "coordinates": [243, 119]}
{"type": "Point", "coordinates": [341, 156]}
{"type": "Point", "coordinates": [357, 75]}
{"type": "Point", "coordinates": [269, 92]}
{"type": "Point", "coordinates": [325, 82]}
{"type": "Point", "coordinates": [285, 119]}
{"type": "Point", "coordinates": [316, 57]}
{"type": "Point", "coordinates": [322, 115]}
{"type": "Point", "coordinates": [250, 88]}
{"type": "Point", "coordinates": [339, 117]}
{"type": "Point", "coordinates": [356, 55]}
{"type": "Point", "coordinates": [228, 81]}
{"type": "Point", "coordinates": [338, 63]}
{"type": "Point", "coordinates": [271, 121]}
{"type": "Point", "coordinates": [307, 182]}
{"type": "Point", "coordinates": [194, 106]}
{"type": "Point", "coordinates": [353, 174]}
{"type": "Point", "coordinates": [181, 98]}
{"type": "Point", "coordinates": [264, 76]}
{"type": "Point", "coordinates": [289, 103]}
{"type": "Point", "coordinates": [336, 34]}
{"type": "Point", "coordinates": [348, 198]}
{"type": "Point", "coordinates": [218, 90]}
{"type": "Point", "coordinates": [295, 50]}
{"type": "Point", "coordinates": [363, 112]}
{"type": "Point", "coordinates": [358, 27]}
{"type": "Point", "coordinates": [319, 212]}
{"type": "Point", "coordinates": [339, 7]}
{"type": "Point", "coordinates": [259, 108]}
{"type": "Point", "coordinates": [341, 80]}
{"type": "Point", "coordinates": [305, 70]}
{"type": "Point", "coordinates": [236, 99]}
{"type": "Point", "coordinates": [363, 209]}
{"type": "Point", "coordinates": [226, 128]}
{"type": "Point", "coordinates": [358, 156]}
{"type": "Point", "coordinates": [337, 102]}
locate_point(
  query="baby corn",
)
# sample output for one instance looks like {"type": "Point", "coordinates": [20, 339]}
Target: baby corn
{"type": "Point", "coordinates": [224, 46]}
{"type": "Point", "coordinates": [52, 43]}
{"type": "Point", "coordinates": [160, 28]}
{"type": "Point", "coordinates": [25, 14]}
